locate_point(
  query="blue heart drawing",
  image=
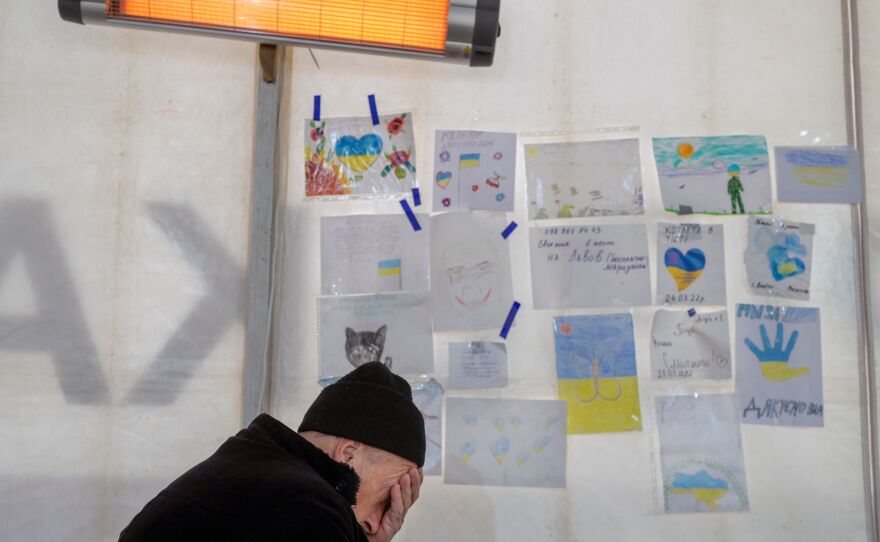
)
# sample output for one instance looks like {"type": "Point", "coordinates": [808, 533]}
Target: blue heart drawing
{"type": "Point", "coordinates": [684, 268]}
{"type": "Point", "coordinates": [782, 266]}
{"type": "Point", "coordinates": [359, 154]}
{"type": "Point", "coordinates": [351, 146]}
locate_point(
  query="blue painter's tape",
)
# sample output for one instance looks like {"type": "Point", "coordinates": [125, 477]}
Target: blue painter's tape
{"type": "Point", "coordinates": [511, 316]}
{"type": "Point", "coordinates": [692, 312]}
{"type": "Point", "coordinates": [316, 114]}
{"type": "Point", "coordinates": [509, 229]}
{"type": "Point", "coordinates": [417, 196]}
{"type": "Point", "coordinates": [410, 215]}
{"type": "Point", "coordinates": [374, 111]}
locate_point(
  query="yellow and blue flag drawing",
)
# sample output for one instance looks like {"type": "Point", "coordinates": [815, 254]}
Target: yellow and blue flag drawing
{"type": "Point", "coordinates": [389, 267]}
{"type": "Point", "coordinates": [469, 160]}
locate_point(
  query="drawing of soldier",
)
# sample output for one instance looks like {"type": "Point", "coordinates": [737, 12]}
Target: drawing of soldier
{"type": "Point", "coordinates": [735, 188]}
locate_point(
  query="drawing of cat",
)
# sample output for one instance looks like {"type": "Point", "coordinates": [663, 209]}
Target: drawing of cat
{"type": "Point", "coordinates": [365, 346]}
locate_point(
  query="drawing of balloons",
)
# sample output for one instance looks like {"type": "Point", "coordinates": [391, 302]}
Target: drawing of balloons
{"type": "Point", "coordinates": [539, 444]}
{"type": "Point", "coordinates": [522, 457]}
{"type": "Point", "coordinates": [467, 451]}
{"type": "Point", "coordinates": [685, 150]}
{"type": "Point", "coordinates": [499, 424]}
{"type": "Point", "coordinates": [515, 421]}
{"type": "Point", "coordinates": [499, 197]}
{"type": "Point", "coordinates": [499, 448]}
{"type": "Point", "coordinates": [470, 419]}
{"type": "Point", "coordinates": [498, 156]}
{"type": "Point", "coordinates": [444, 156]}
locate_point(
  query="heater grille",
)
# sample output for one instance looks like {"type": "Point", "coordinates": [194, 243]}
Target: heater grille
{"type": "Point", "coordinates": [407, 24]}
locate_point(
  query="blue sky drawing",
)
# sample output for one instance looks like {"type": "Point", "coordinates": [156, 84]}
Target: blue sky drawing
{"type": "Point", "coordinates": [818, 158]}
{"type": "Point", "coordinates": [712, 155]}
{"type": "Point", "coordinates": [608, 336]}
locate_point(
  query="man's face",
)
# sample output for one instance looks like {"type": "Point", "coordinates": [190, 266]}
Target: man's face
{"type": "Point", "coordinates": [379, 471]}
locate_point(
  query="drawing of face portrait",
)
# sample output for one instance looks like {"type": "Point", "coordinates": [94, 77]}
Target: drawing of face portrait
{"type": "Point", "coordinates": [471, 275]}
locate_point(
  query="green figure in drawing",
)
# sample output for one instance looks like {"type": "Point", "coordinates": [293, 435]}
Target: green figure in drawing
{"type": "Point", "coordinates": [734, 188]}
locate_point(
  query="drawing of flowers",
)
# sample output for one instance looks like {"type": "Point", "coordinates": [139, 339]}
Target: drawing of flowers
{"type": "Point", "coordinates": [395, 127]}
{"type": "Point", "coordinates": [323, 177]}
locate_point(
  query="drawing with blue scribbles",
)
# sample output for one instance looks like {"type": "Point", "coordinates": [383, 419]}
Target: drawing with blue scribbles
{"type": "Point", "coordinates": [778, 258]}
{"type": "Point", "coordinates": [818, 175]}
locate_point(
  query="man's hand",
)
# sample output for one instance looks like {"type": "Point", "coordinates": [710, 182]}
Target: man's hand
{"type": "Point", "coordinates": [403, 495]}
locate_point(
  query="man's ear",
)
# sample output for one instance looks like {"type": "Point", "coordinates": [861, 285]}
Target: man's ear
{"type": "Point", "coordinates": [346, 450]}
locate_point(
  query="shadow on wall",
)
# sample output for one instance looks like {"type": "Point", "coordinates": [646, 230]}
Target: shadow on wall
{"type": "Point", "coordinates": [59, 327]}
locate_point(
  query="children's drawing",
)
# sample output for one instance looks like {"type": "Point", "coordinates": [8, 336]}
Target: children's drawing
{"type": "Point", "coordinates": [584, 178]}
{"type": "Point", "coordinates": [818, 175]}
{"type": "Point", "coordinates": [690, 346]}
{"type": "Point", "coordinates": [353, 330]}
{"type": "Point", "coordinates": [718, 175]}
{"type": "Point", "coordinates": [351, 157]}
{"type": "Point", "coordinates": [471, 286]}
{"type": "Point", "coordinates": [364, 254]}
{"type": "Point", "coordinates": [428, 397]}
{"type": "Point", "coordinates": [590, 266]}
{"type": "Point", "coordinates": [474, 171]}
{"type": "Point", "coordinates": [779, 368]}
{"type": "Point", "coordinates": [779, 258]}
{"type": "Point", "coordinates": [693, 271]}
{"type": "Point", "coordinates": [365, 346]}
{"type": "Point", "coordinates": [596, 368]}
{"type": "Point", "coordinates": [701, 454]}
{"type": "Point", "coordinates": [505, 442]}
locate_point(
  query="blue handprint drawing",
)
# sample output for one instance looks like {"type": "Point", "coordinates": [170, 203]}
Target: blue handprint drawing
{"type": "Point", "coordinates": [774, 360]}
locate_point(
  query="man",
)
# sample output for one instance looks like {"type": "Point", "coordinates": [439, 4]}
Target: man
{"type": "Point", "coordinates": [351, 473]}
{"type": "Point", "coordinates": [735, 188]}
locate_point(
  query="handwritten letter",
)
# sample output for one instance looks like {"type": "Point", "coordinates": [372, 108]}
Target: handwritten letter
{"type": "Point", "coordinates": [590, 266]}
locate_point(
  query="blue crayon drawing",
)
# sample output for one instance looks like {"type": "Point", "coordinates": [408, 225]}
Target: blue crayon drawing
{"type": "Point", "coordinates": [607, 338]}
{"type": "Point", "coordinates": [783, 257]}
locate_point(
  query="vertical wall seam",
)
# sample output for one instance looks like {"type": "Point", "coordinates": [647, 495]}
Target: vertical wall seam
{"type": "Point", "coordinates": [867, 386]}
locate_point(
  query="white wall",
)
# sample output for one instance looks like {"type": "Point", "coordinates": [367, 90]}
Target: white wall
{"type": "Point", "coordinates": [673, 68]}
{"type": "Point", "coordinates": [124, 189]}
{"type": "Point", "coordinates": [124, 185]}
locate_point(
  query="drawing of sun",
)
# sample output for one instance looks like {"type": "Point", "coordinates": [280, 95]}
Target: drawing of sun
{"type": "Point", "coordinates": [685, 150]}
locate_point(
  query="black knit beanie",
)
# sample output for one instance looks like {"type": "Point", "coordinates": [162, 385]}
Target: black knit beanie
{"type": "Point", "coordinates": [374, 406]}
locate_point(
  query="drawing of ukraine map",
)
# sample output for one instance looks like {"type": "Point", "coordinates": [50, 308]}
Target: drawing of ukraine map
{"type": "Point", "coordinates": [698, 486]}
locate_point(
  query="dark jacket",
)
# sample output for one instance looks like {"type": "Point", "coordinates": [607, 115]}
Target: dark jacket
{"type": "Point", "coordinates": [265, 483]}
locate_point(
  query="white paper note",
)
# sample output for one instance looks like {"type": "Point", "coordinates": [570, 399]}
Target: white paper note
{"type": "Point", "coordinates": [590, 266]}
{"type": "Point", "coordinates": [474, 170]}
{"type": "Point", "coordinates": [505, 442]}
{"type": "Point", "coordinates": [364, 254]}
{"type": "Point", "coordinates": [477, 364]}
{"type": "Point", "coordinates": [690, 347]}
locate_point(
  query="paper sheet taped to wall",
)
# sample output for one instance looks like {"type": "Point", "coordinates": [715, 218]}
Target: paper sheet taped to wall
{"type": "Point", "coordinates": [505, 442]}
{"type": "Point", "coordinates": [590, 266]}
